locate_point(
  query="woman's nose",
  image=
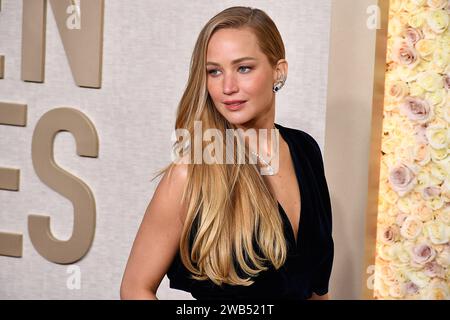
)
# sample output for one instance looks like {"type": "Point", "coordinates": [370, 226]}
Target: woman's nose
{"type": "Point", "coordinates": [229, 84]}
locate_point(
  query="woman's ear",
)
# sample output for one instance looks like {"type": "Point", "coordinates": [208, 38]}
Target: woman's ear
{"type": "Point", "coordinates": [281, 70]}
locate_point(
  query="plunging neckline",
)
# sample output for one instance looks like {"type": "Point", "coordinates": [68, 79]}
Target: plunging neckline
{"type": "Point", "coordinates": [295, 237]}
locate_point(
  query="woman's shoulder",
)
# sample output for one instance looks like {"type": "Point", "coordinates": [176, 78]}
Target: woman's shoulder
{"type": "Point", "coordinates": [303, 139]}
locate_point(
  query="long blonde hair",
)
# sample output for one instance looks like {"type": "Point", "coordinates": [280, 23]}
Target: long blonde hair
{"type": "Point", "coordinates": [229, 205]}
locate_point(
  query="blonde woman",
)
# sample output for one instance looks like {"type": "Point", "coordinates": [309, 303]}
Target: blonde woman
{"type": "Point", "coordinates": [227, 231]}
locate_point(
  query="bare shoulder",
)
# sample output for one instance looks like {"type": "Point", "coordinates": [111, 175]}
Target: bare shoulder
{"type": "Point", "coordinates": [157, 239]}
{"type": "Point", "coordinates": [169, 191]}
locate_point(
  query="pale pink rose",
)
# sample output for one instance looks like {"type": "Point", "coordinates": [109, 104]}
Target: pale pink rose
{"type": "Point", "coordinates": [411, 288]}
{"type": "Point", "coordinates": [404, 54]}
{"type": "Point", "coordinates": [402, 179]}
{"type": "Point", "coordinates": [389, 234]}
{"type": "Point", "coordinates": [422, 253]}
{"type": "Point", "coordinates": [416, 109]}
{"type": "Point", "coordinates": [447, 81]}
{"type": "Point", "coordinates": [413, 35]}
{"type": "Point", "coordinates": [431, 192]}
{"type": "Point", "coordinates": [397, 90]}
{"type": "Point", "coordinates": [433, 269]}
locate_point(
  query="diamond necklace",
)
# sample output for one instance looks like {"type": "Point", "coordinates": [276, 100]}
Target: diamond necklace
{"type": "Point", "coordinates": [270, 169]}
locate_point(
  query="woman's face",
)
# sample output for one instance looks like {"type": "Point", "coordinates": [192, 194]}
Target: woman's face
{"type": "Point", "coordinates": [237, 70]}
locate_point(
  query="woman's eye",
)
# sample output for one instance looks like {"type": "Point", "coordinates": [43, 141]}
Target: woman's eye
{"type": "Point", "coordinates": [245, 67]}
{"type": "Point", "coordinates": [212, 71]}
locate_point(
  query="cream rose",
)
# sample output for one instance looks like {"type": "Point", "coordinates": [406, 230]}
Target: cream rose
{"type": "Point", "coordinates": [437, 135]}
{"type": "Point", "coordinates": [416, 20]}
{"type": "Point", "coordinates": [444, 257]}
{"type": "Point", "coordinates": [437, 290]}
{"type": "Point", "coordinates": [415, 90]}
{"type": "Point", "coordinates": [395, 27]}
{"type": "Point", "coordinates": [439, 172]}
{"type": "Point", "coordinates": [437, 98]}
{"type": "Point", "coordinates": [397, 290]}
{"type": "Point", "coordinates": [411, 228]}
{"type": "Point", "coordinates": [416, 109]}
{"type": "Point", "coordinates": [422, 153]}
{"type": "Point", "coordinates": [437, 20]}
{"type": "Point", "coordinates": [438, 155]}
{"type": "Point", "coordinates": [440, 59]}
{"type": "Point", "coordinates": [437, 4]}
{"type": "Point", "coordinates": [425, 47]}
{"type": "Point", "coordinates": [424, 212]}
{"type": "Point", "coordinates": [437, 232]}
{"type": "Point", "coordinates": [430, 81]}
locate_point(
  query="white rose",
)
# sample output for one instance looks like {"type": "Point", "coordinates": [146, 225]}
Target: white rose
{"type": "Point", "coordinates": [437, 20]}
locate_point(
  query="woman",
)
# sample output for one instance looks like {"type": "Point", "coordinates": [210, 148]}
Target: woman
{"type": "Point", "coordinates": [225, 230]}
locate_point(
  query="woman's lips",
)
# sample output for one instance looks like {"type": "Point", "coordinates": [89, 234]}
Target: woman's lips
{"type": "Point", "coordinates": [235, 105]}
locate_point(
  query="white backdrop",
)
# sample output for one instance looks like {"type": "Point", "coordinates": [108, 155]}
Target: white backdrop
{"type": "Point", "coordinates": [146, 52]}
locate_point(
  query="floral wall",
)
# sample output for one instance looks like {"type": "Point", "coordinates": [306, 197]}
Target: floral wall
{"type": "Point", "coordinates": [413, 251]}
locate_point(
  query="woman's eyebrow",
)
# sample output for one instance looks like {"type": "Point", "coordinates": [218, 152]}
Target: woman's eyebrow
{"type": "Point", "coordinates": [232, 62]}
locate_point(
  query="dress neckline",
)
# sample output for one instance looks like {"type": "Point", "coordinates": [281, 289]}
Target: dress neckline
{"type": "Point", "coordinates": [294, 160]}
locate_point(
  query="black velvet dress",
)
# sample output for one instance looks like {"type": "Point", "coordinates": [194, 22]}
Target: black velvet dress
{"type": "Point", "coordinates": [309, 262]}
